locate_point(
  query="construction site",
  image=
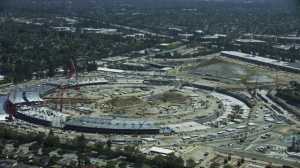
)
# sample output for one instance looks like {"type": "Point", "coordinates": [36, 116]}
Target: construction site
{"type": "Point", "coordinates": [205, 108]}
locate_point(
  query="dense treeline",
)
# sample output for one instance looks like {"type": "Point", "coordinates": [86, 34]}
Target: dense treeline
{"type": "Point", "coordinates": [268, 16]}
{"type": "Point", "coordinates": [27, 48]}
{"type": "Point", "coordinates": [218, 18]}
{"type": "Point", "coordinates": [79, 145]}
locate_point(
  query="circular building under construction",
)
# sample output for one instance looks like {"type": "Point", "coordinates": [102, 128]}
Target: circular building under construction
{"type": "Point", "coordinates": [127, 104]}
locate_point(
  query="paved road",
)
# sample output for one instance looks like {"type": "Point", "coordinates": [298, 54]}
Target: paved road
{"type": "Point", "coordinates": [141, 31]}
{"type": "Point", "coordinates": [263, 93]}
{"type": "Point", "coordinates": [258, 156]}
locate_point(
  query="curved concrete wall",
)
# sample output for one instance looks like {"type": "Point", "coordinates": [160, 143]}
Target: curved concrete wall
{"type": "Point", "coordinates": [110, 131]}
{"type": "Point", "coordinates": [32, 119]}
{"type": "Point", "coordinates": [133, 131]}
{"type": "Point", "coordinates": [245, 100]}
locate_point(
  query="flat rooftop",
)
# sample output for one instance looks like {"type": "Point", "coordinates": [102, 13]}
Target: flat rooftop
{"type": "Point", "coordinates": [161, 150]}
{"type": "Point", "coordinates": [249, 41]}
{"type": "Point", "coordinates": [270, 61]}
{"type": "Point", "coordinates": [287, 46]}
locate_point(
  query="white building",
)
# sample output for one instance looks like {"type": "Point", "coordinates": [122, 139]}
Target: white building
{"type": "Point", "coordinates": [2, 77]}
{"type": "Point", "coordinates": [110, 70]}
{"type": "Point", "coordinates": [138, 36]}
{"type": "Point", "coordinates": [65, 29]}
{"type": "Point", "coordinates": [158, 150]}
{"type": "Point", "coordinates": [250, 41]}
{"type": "Point", "coordinates": [199, 32]}
{"type": "Point", "coordinates": [3, 114]}
{"type": "Point", "coordinates": [99, 31]}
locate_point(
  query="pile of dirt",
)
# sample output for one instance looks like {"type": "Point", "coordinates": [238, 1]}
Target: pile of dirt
{"type": "Point", "coordinates": [171, 97]}
{"type": "Point", "coordinates": [125, 101]}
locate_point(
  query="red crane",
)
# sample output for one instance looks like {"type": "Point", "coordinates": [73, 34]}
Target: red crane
{"type": "Point", "coordinates": [72, 75]}
{"type": "Point", "coordinates": [11, 109]}
{"type": "Point", "coordinates": [10, 106]}
{"type": "Point", "coordinates": [72, 71]}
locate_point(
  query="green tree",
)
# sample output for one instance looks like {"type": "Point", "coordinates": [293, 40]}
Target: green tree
{"type": "Point", "coordinates": [123, 165]}
{"type": "Point", "coordinates": [228, 166]}
{"type": "Point", "coordinates": [51, 140]}
{"type": "Point", "coordinates": [99, 147]}
{"type": "Point", "coordinates": [92, 66]}
{"type": "Point", "coordinates": [110, 164]}
{"type": "Point", "coordinates": [240, 161]}
{"type": "Point", "coordinates": [214, 165]}
{"type": "Point", "coordinates": [158, 161]}
{"type": "Point", "coordinates": [108, 144]}
{"type": "Point", "coordinates": [190, 163]}
{"type": "Point", "coordinates": [174, 161]}
{"type": "Point", "coordinates": [81, 143]}
{"type": "Point", "coordinates": [269, 165]}
{"type": "Point", "coordinates": [1, 149]}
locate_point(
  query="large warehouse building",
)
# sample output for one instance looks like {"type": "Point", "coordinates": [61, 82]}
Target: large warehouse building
{"type": "Point", "coordinates": [286, 66]}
